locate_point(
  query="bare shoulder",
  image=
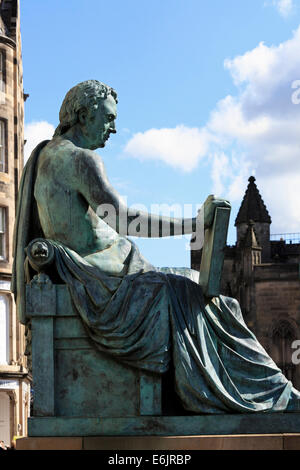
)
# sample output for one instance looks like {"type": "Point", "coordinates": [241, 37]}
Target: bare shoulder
{"type": "Point", "coordinates": [88, 161]}
{"type": "Point", "coordinates": [89, 156]}
{"type": "Point", "coordinates": [57, 148]}
{"type": "Point", "coordinates": [80, 168]}
{"type": "Point", "coordinates": [70, 154]}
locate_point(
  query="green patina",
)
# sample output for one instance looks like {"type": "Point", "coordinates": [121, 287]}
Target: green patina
{"type": "Point", "coordinates": [113, 336]}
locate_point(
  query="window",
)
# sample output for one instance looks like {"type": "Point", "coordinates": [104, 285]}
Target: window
{"type": "Point", "coordinates": [4, 329]}
{"type": "Point", "coordinates": [2, 72]}
{"type": "Point", "coordinates": [2, 233]}
{"type": "Point", "coordinates": [283, 338]}
{"type": "Point", "coordinates": [2, 146]}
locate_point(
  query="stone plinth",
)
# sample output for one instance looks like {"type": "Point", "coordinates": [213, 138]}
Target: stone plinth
{"type": "Point", "coordinates": [70, 377]}
{"type": "Point", "coordinates": [227, 424]}
{"type": "Point", "coordinates": [237, 442]}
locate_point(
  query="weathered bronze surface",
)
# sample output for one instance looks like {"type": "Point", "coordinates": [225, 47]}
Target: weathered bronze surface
{"type": "Point", "coordinates": [106, 325]}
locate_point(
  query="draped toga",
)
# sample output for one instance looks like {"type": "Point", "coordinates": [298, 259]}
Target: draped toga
{"type": "Point", "coordinates": [151, 319]}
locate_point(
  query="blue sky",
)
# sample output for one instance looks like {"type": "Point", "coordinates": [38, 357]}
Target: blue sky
{"type": "Point", "coordinates": [205, 98]}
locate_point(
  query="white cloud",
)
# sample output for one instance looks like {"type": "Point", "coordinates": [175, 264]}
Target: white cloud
{"type": "Point", "coordinates": [181, 147]}
{"type": "Point", "coordinates": [220, 170]}
{"type": "Point", "coordinates": [34, 133]}
{"type": "Point", "coordinates": [257, 131]}
{"type": "Point", "coordinates": [281, 192]}
{"type": "Point", "coordinates": [262, 125]}
{"type": "Point", "coordinates": [284, 7]}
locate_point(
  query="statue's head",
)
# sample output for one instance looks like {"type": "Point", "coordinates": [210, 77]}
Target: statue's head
{"type": "Point", "coordinates": [91, 105]}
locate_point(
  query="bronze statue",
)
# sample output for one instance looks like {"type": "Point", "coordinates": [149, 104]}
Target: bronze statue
{"type": "Point", "coordinates": [141, 316]}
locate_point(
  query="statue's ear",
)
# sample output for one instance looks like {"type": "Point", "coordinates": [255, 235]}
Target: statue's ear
{"type": "Point", "coordinates": [82, 116]}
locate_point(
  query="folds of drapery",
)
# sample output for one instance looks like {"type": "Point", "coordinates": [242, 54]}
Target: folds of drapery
{"type": "Point", "coordinates": [27, 227]}
{"type": "Point", "coordinates": [126, 317]}
{"type": "Point", "coordinates": [220, 365]}
{"type": "Point", "coordinates": [146, 317]}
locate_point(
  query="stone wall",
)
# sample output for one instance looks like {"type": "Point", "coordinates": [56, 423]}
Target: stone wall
{"type": "Point", "coordinates": [277, 305]}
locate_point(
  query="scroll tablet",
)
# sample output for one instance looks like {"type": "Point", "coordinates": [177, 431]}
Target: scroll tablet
{"type": "Point", "coordinates": [213, 253]}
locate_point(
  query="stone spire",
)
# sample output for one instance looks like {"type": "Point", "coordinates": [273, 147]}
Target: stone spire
{"type": "Point", "coordinates": [250, 239]}
{"type": "Point", "coordinates": [252, 207]}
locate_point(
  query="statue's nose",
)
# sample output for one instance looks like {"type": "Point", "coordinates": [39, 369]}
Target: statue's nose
{"type": "Point", "coordinates": [112, 128]}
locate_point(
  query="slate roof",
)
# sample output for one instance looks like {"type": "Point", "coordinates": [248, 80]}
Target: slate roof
{"type": "Point", "coordinates": [253, 206]}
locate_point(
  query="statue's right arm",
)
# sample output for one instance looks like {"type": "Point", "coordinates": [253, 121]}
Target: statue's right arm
{"type": "Point", "coordinates": [93, 185]}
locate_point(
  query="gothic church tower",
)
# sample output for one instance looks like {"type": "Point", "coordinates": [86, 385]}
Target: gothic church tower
{"type": "Point", "coordinates": [253, 209]}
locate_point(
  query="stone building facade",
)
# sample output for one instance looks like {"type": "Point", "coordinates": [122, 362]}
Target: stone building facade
{"type": "Point", "coordinates": [263, 274]}
{"type": "Point", "coordinates": [14, 382]}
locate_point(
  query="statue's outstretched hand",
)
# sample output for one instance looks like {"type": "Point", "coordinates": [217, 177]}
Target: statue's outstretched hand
{"type": "Point", "coordinates": [210, 205]}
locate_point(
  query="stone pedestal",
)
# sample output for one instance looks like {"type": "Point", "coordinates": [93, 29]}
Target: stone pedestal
{"type": "Point", "coordinates": [84, 399]}
{"type": "Point", "coordinates": [70, 377]}
{"type": "Point", "coordinates": [230, 442]}
{"type": "Point", "coordinates": [161, 426]}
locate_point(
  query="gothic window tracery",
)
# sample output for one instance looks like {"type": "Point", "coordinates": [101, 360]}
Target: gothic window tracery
{"type": "Point", "coordinates": [283, 337]}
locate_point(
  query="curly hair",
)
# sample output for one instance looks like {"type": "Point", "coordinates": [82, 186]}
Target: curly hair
{"type": "Point", "coordinates": [86, 95]}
